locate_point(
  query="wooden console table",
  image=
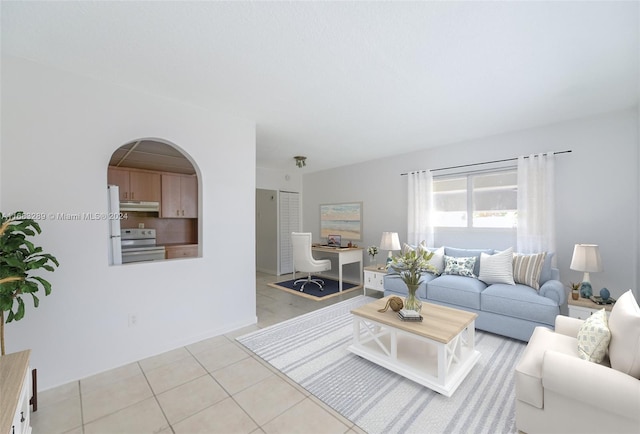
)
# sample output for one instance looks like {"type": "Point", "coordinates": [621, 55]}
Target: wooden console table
{"type": "Point", "coordinates": [15, 388]}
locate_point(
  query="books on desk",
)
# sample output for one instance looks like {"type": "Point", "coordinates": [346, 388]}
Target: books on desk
{"type": "Point", "coordinates": [409, 315]}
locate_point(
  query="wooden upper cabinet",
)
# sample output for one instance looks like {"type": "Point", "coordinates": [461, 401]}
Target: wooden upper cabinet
{"type": "Point", "coordinates": [179, 196]}
{"type": "Point", "coordinates": [135, 185]}
{"type": "Point", "coordinates": [189, 196]}
{"type": "Point", "coordinates": [145, 186]}
{"type": "Point", "coordinates": [119, 177]}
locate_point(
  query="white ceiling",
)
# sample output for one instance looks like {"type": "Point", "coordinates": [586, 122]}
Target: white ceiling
{"type": "Point", "coordinates": [344, 82]}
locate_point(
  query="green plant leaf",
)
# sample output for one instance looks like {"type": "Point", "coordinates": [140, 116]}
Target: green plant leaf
{"type": "Point", "coordinates": [45, 284]}
{"type": "Point", "coordinates": [20, 311]}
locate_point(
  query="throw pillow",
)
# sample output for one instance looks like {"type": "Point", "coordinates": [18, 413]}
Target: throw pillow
{"type": "Point", "coordinates": [437, 260]}
{"type": "Point", "coordinates": [594, 337]}
{"type": "Point", "coordinates": [497, 268]}
{"type": "Point", "coordinates": [459, 266]}
{"type": "Point", "coordinates": [527, 269]}
{"type": "Point", "coordinates": [624, 323]}
{"type": "Point", "coordinates": [406, 248]}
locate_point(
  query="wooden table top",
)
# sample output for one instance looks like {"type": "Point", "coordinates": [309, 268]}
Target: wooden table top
{"type": "Point", "coordinates": [439, 323]}
{"type": "Point", "coordinates": [13, 368]}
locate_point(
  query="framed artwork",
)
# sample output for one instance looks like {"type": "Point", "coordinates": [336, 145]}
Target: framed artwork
{"type": "Point", "coordinates": [344, 219]}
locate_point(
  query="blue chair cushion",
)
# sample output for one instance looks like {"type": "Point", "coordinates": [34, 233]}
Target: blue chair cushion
{"type": "Point", "coordinates": [456, 290]}
{"type": "Point", "coordinates": [519, 301]}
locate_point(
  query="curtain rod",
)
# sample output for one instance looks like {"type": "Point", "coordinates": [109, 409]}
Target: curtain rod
{"type": "Point", "coordinates": [484, 162]}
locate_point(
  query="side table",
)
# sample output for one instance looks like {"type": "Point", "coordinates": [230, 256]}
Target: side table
{"type": "Point", "coordinates": [583, 308]}
{"type": "Point", "coordinates": [374, 278]}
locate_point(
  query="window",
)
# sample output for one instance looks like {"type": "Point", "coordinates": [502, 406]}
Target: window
{"type": "Point", "coordinates": [476, 200]}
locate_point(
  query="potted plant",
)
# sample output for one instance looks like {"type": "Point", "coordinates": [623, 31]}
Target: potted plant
{"type": "Point", "coordinates": [411, 265]}
{"type": "Point", "coordinates": [19, 260]}
{"type": "Point", "coordinates": [575, 290]}
{"type": "Point", "coordinates": [372, 251]}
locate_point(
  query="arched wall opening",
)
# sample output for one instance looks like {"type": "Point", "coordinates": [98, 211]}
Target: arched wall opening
{"type": "Point", "coordinates": [158, 203]}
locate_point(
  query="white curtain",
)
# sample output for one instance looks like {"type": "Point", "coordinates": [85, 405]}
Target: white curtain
{"type": "Point", "coordinates": [419, 224]}
{"type": "Point", "coordinates": [536, 204]}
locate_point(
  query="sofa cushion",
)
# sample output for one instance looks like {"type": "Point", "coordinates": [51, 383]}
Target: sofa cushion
{"type": "Point", "coordinates": [529, 369]}
{"type": "Point", "coordinates": [465, 253]}
{"type": "Point", "coordinates": [527, 269]}
{"type": "Point", "coordinates": [594, 337]}
{"type": "Point", "coordinates": [459, 266]}
{"type": "Point", "coordinates": [519, 301]}
{"type": "Point", "coordinates": [624, 323]}
{"type": "Point", "coordinates": [456, 290]}
{"type": "Point", "coordinates": [497, 268]}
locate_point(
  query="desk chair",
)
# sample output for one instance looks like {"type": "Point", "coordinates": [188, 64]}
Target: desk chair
{"type": "Point", "coordinates": [304, 261]}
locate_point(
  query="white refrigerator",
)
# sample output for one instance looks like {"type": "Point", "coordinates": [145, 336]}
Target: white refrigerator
{"type": "Point", "coordinates": [115, 245]}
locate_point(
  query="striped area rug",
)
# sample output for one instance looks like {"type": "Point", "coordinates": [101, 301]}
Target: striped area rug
{"type": "Point", "coordinates": [312, 350]}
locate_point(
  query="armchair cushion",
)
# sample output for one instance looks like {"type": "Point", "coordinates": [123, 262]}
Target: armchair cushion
{"type": "Point", "coordinates": [529, 368]}
{"type": "Point", "coordinates": [594, 337]}
{"type": "Point", "coordinates": [624, 323]}
{"type": "Point", "coordinates": [615, 392]}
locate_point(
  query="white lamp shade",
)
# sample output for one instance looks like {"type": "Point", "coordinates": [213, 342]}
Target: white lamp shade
{"type": "Point", "coordinates": [586, 257]}
{"type": "Point", "coordinates": [390, 241]}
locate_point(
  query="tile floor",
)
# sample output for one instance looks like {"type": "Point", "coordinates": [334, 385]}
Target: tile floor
{"type": "Point", "coordinates": [213, 386]}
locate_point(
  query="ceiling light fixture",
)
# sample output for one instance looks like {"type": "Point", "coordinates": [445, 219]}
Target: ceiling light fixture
{"type": "Point", "coordinates": [300, 161]}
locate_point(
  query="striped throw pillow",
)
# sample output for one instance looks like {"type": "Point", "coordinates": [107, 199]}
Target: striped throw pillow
{"type": "Point", "coordinates": [497, 268]}
{"type": "Point", "coordinates": [527, 269]}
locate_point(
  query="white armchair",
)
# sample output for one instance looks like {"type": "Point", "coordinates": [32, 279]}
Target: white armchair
{"type": "Point", "coordinates": [559, 392]}
{"type": "Point", "coordinates": [304, 261]}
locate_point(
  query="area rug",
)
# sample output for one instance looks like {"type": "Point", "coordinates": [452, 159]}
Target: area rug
{"type": "Point", "coordinates": [311, 290]}
{"type": "Point", "coordinates": [312, 350]}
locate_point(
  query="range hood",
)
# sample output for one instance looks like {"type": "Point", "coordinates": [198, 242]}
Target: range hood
{"type": "Point", "coordinates": [139, 206]}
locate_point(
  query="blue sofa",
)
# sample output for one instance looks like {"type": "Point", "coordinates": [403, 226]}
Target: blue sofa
{"type": "Point", "coordinates": [504, 309]}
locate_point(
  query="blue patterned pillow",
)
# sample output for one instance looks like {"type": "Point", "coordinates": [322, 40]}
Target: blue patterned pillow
{"type": "Point", "coordinates": [459, 266]}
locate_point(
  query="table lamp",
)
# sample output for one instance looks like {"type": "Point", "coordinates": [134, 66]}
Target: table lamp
{"type": "Point", "coordinates": [586, 257]}
{"type": "Point", "coordinates": [390, 242]}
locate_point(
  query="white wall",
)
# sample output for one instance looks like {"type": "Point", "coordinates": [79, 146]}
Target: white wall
{"type": "Point", "coordinates": [284, 180]}
{"type": "Point", "coordinates": [597, 196]}
{"type": "Point", "coordinates": [58, 133]}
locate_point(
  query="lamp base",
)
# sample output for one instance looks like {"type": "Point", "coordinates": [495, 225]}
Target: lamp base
{"type": "Point", "coordinates": [585, 290]}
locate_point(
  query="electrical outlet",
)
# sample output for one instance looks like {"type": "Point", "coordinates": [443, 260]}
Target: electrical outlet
{"type": "Point", "coordinates": [133, 319]}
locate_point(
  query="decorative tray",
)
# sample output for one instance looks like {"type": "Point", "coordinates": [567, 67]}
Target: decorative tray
{"type": "Point", "coordinates": [598, 300]}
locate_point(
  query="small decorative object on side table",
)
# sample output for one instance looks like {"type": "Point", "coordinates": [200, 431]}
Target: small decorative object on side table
{"type": "Point", "coordinates": [372, 251]}
{"type": "Point", "coordinates": [575, 290]}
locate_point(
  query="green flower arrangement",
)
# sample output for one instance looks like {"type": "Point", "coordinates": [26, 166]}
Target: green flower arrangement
{"type": "Point", "coordinates": [372, 251]}
{"type": "Point", "coordinates": [411, 264]}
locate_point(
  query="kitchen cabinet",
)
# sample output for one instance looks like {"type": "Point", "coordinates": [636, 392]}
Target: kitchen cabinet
{"type": "Point", "coordinates": [179, 196]}
{"type": "Point", "coordinates": [15, 384]}
{"type": "Point", "coordinates": [182, 251]}
{"type": "Point", "coordinates": [136, 185]}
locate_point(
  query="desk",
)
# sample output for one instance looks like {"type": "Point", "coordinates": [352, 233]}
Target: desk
{"type": "Point", "coordinates": [346, 255]}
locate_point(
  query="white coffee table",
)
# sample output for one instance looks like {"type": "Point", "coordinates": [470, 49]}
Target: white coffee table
{"type": "Point", "coordinates": [437, 353]}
